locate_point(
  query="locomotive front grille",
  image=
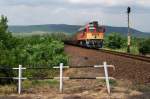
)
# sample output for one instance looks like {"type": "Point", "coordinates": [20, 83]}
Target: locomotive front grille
{"type": "Point", "coordinates": [94, 36]}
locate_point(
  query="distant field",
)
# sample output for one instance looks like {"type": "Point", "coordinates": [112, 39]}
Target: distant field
{"type": "Point", "coordinates": [29, 34]}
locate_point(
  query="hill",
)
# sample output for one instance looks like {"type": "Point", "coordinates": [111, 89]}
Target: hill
{"type": "Point", "coordinates": [70, 29]}
{"type": "Point", "coordinates": [45, 28]}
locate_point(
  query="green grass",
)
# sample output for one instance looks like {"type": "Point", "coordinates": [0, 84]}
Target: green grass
{"type": "Point", "coordinates": [29, 34]}
{"type": "Point", "coordinates": [46, 82]}
{"type": "Point", "coordinates": [111, 82]}
{"type": "Point", "coordinates": [133, 50]}
{"type": "Point", "coordinates": [40, 83]}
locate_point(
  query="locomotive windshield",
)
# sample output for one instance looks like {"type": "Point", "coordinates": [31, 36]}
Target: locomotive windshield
{"type": "Point", "coordinates": [92, 27]}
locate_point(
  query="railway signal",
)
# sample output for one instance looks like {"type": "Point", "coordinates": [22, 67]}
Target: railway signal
{"type": "Point", "coordinates": [129, 35]}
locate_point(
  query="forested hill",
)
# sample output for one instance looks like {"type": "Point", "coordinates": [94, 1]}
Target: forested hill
{"type": "Point", "coordinates": [71, 29]}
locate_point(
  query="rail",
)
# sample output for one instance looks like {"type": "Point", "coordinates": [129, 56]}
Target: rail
{"type": "Point", "coordinates": [137, 57]}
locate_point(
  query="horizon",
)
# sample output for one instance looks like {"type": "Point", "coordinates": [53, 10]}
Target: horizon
{"type": "Point", "coordinates": [79, 25]}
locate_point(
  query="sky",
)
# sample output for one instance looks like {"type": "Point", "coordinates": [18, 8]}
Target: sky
{"type": "Point", "coordinates": [77, 12]}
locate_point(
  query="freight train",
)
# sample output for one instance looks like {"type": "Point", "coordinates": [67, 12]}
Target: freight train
{"type": "Point", "coordinates": [91, 36]}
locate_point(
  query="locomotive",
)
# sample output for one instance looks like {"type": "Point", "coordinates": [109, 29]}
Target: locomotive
{"type": "Point", "coordinates": [91, 36]}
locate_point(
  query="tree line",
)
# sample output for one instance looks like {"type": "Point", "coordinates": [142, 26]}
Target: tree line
{"type": "Point", "coordinates": [116, 41]}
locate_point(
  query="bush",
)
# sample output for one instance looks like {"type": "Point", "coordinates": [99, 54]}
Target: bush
{"type": "Point", "coordinates": [114, 41]}
{"type": "Point", "coordinates": [35, 52]}
{"type": "Point", "coordinates": [144, 46]}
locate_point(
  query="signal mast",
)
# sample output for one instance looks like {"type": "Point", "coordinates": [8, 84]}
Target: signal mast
{"type": "Point", "coordinates": [129, 35]}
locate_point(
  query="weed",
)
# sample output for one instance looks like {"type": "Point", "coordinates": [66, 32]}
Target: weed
{"type": "Point", "coordinates": [111, 82]}
{"type": "Point", "coordinates": [141, 87]}
{"type": "Point", "coordinates": [8, 89]}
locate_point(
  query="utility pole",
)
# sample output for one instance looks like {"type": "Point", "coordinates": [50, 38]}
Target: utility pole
{"type": "Point", "coordinates": [129, 35]}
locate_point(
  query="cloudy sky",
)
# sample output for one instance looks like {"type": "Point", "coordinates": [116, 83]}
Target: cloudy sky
{"type": "Point", "coordinates": [107, 12]}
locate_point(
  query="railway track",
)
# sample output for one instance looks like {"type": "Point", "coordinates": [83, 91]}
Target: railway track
{"type": "Point", "coordinates": [137, 57]}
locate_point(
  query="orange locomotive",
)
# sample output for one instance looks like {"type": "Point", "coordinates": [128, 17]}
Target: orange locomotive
{"type": "Point", "coordinates": [91, 35]}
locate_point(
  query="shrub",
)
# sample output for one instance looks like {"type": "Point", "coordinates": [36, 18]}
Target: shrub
{"type": "Point", "coordinates": [114, 41]}
{"type": "Point", "coordinates": [35, 51]}
{"type": "Point", "coordinates": [144, 46]}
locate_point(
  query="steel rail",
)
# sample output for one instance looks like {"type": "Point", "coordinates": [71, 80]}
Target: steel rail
{"type": "Point", "coordinates": [132, 56]}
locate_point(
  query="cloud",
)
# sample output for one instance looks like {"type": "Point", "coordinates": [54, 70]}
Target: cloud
{"type": "Point", "coordinates": [101, 2]}
{"type": "Point", "coordinates": [76, 12]}
{"type": "Point", "coordinates": [109, 3]}
{"type": "Point", "coordinates": [31, 2]}
{"type": "Point", "coordinates": [143, 3]}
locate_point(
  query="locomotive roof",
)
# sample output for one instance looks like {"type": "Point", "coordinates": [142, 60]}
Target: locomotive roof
{"type": "Point", "coordinates": [83, 27]}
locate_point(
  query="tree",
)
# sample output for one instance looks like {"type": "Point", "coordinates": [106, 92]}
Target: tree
{"type": "Point", "coordinates": [5, 35]}
{"type": "Point", "coordinates": [5, 44]}
{"type": "Point", "coordinates": [144, 46]}
{"type": "Point", "coordinates": [114, 40]}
